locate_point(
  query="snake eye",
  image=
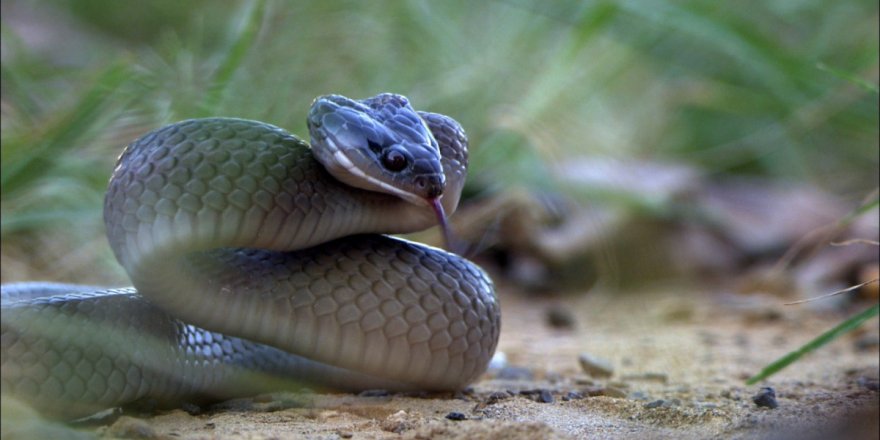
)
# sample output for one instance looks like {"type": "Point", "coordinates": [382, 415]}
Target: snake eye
{"type": "Point", "coordinates": [394, 160]}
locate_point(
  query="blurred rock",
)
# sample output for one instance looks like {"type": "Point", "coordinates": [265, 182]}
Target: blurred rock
{"type": "Point", "coordinates": [594, 366]}
{"type": "Point", "coordinates": [560, 317]}
{"type": "Point", "coordinates": [763, 216]}
{"type": "Point", "coordinates": [766, 397]}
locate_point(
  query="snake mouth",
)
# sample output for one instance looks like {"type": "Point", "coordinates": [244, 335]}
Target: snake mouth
{"type": "Point", "coordinates": [442, 221]}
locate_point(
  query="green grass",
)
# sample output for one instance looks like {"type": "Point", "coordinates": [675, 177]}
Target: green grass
{"type": "Point", "coordinates": [844, 327]}
{"type": "Point", "coordinates": [778, 88]}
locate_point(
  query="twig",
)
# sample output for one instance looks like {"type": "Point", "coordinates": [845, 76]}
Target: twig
{"type": "Point", "coordinates": [855, 241]}
{"type": "Point", "coordinates": [838, 292]}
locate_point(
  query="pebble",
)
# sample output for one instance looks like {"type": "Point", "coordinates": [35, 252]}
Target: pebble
{"type": "Point", "coordinates": [396, 423]}
{"type": "Point", "coordinates": [655, 404]}
{"type": "Point", "coordinates": [496, 397]}
{"type": "Point", "coordinates": [542, 395]}
{"type": "Point", "coordinates": [499, 361]}
{"type": "Point", "coordinates": [870, 383]}
{"type": "Point", "coordinates": [327, 415]}
{"type": "Point", "coordinates": [867, 343]}
{"type": "Point", "coordinates": [638, 395]}
{"type": "Point", "coordinates": [605, 391]}
{"type": "Point", "coordinates": [766, 398]}
{"type": "Point", "coordinates": [374, 393]}
{"type": "Point", "coordinates": [662, 403]}
{"type": "Point", "coordinates": [595, 366]}
{"type": "Point", "coordinates": [456, 416]}
{"type": "Point", "coordinates": [584, 381]}
{"type": "Point", "coordinates": [651, 377]}
{"type": "Point", "coordinates": [614, 392]}
{"type": "Point", "coordinates": [560, 317]}
{"type": "Point", "coordinates": [345, 434]}
{"type": "Point", "coordinates": [515, 373]}
{"type": "Point", "coordinates": [572, 395]}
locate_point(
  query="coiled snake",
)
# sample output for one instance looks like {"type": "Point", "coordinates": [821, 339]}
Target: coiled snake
{"type": "Point", "coordinates": [255, 260]}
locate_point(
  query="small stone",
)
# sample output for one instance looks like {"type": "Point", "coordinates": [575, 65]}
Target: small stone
{"type": "Point", "coordinates": [560, 317]}
{"type": "Point", "coordinates": [553, 377]}
{"type": "Point", "coordinates": [327, 415]}
{"type": "Point", "coordinates": [456, 416]}
{"type": "Point", "coordinates": [545, 396]}
{"type": "Point", "coordinates": [374, 393]}
{"type": "Point", "coordinates": [396, 422]}
{"type": "Point", "coordinates": [539, 395]}
{"type": "Point", "coordinates": [515, 373]}
{"type": "Point", "coordinates": [867, 343]}
{"type": "Point", "coordinates": [614, 392]}
{"type": "Point", "coordinates": [638, 395]}
{"type": "Point", "coordinates": [499, 361]}
{"type": "Point", "coordinates": [572, 395]}
{"type": "Point", "coordinates": [655, 404]}
{"type": "Point", "coordinates": [594, 366]}
{"type": "Point", "coordinates": [651, 377]}
{"type": "Point", "coordinates": [605, 391]}
{"type": "Point", "coordinates": [345, 434]}
{"type": "Point", "coordinates": [496, 397]}
{"type": "Point", "coordinates": [766, 398]}
{"type": "Point", "coordinates": [580, 380]}
{"type": "Point", "coordinates": [870, 383]}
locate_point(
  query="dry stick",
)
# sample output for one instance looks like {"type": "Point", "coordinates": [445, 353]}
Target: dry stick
{"type": "Point", "coordinates": [838, 292]}
{"type": "Point", "coordinates": [855, 241]}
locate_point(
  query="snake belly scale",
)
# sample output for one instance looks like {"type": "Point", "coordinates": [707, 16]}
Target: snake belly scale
{"type": "Point", "coordinates": [253, 262]}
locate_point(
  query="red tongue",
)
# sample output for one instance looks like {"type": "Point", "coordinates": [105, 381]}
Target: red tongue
{"type": "Point", "coordinates": [444, 225]}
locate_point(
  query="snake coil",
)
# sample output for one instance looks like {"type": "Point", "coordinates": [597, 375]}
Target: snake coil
{"type": "Point", "coordinates": [255, 268]}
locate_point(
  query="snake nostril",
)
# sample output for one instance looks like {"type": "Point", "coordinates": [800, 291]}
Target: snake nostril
{"type": "Point", "coordinates": [429, 186]}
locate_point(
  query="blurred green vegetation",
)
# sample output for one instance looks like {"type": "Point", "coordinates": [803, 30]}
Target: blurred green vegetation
{"type": "Point", "coordinates": [779, 88]}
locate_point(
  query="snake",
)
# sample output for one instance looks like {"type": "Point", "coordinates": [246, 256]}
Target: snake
{"type": "Point", "coordinates": [260, 262]}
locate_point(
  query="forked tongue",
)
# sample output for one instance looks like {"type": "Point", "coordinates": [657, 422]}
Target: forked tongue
{"type": "Point", "coordinates": [444, 224]}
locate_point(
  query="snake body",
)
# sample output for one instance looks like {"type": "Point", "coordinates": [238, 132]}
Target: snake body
{"type": "Point", "coordinates": [256, 267]}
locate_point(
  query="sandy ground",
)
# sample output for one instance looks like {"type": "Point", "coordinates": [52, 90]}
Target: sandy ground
{"type": "Point", "coordinates": [679, 359]}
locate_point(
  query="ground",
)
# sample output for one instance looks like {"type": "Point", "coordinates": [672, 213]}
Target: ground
{"type": "Point", "coordinates": [679, 358]}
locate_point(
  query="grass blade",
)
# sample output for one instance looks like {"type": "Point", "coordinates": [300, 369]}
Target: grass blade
{"type": "Point", "coordinates": [867, 85]}
{"type": "Point", "coordinates": [850, 324]}
{"type": "Point", "coordinates": [234, 58]}
{"type": "Point", "coordinates": [62, 135]}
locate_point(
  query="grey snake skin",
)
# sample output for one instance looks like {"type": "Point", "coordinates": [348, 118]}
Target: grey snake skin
{"type": "Point", "coordinates": [254, 270]}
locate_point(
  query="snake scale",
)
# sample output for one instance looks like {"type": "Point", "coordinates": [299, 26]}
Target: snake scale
{"type": "Point", "coordinates": [257, 264]}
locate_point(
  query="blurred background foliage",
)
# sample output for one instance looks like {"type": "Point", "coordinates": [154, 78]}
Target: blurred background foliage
{"type": "Point", "coordinates": [782, 88]}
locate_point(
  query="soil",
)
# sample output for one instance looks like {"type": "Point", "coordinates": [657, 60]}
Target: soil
{"type": "Point", "coordinates": [679, 361]}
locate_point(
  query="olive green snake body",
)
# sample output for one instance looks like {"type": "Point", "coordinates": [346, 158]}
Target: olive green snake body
{"type": "Point", "coordinates": [255, 266]}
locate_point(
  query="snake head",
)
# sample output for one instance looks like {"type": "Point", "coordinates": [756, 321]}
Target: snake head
{"type": "Point", "coordinates": [378, 144]}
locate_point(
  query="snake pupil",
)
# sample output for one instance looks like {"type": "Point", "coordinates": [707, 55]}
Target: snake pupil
{"type": "Point", "coordinates": [394, 160]}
